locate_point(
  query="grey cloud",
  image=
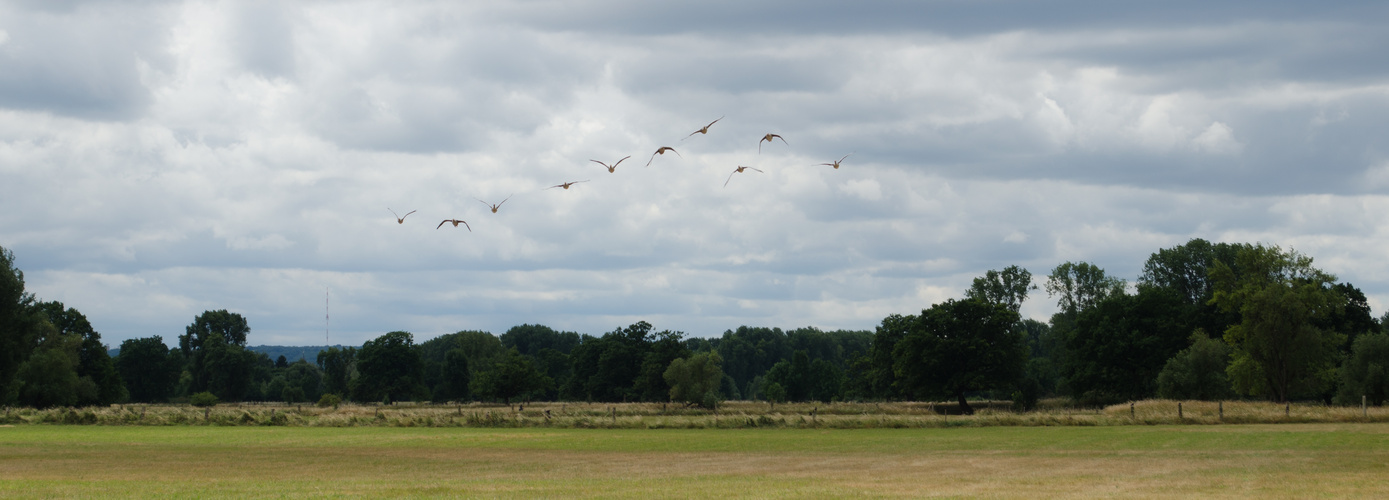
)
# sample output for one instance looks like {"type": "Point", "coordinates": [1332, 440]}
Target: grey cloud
{"type": "Point", "coordinates": [79, 62]}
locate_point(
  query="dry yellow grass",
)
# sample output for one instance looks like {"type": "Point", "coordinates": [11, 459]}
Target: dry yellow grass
{"type": "Point", "coordinates": [733, 414]}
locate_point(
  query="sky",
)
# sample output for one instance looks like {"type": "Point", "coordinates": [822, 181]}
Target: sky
{"type": "Point", "coordinates": [161, 159]}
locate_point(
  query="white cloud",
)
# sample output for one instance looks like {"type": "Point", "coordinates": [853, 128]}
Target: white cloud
{"type": "Point", "coordinates": [1217, 139]}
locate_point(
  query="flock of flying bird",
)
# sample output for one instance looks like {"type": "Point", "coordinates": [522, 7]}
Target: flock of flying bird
{"type": "Point", "coordinates": [400, 219]}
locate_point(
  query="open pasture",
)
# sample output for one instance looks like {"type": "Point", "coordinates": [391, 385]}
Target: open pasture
{"type": "Point", "coordinates": [1288, 460]}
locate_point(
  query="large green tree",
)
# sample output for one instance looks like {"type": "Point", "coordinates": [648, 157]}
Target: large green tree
{"type": "Point", "coordinates": [696, 380]}
{"type": "Point", "coordinates": [215, 347]}
{"type": "Point", "coordinates": [17, 326]}
{"type": "Point", "coordinates": [1121, 343]}
{"type": "Point", "coordinates": [94, 363]}
{"type": "Point", "coordinates": [389, 366]}
{"type": "Point", "coordinates": [511, 377]}
{"type": "Point", "coordinates": [1280, 352]}
{"type": "Point", "coordinates": [148, 369]}
{"type": "Point", "coordinates": [49, 376]}
{"type": "Point", "coordinates": [339, 367]}
{"type": "Point", "coordinates": [959, 346]}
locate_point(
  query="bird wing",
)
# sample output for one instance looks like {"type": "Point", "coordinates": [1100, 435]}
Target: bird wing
{"type": "Point", "coordinates": [845, 156]}
{"type": "Point", "coordinates": [619, 162]}
{"type": "Point", "coordinates": [757, 169]}
{"type": "Point", "coordinates": [465, 224]}
{"type": "Point", "coordinates": [653, 157]}
{"type": "Point", "coordinates": [730, 177]}
{"type": "Point", "coordinates": [441, 224]}
{"type": "Point", "coordinates": [677, 153]}
{"type": "Point", "coordinates": [397, 216]}
{"type": "Point", "coordinates": [783, 139]}
{"type": "Point", "coordinates": [408, 214]}
{"type": "Point", "coordinates": [713, 122]}
{"type": "Point", "coordinates": [499, 205]}
{"type": "Point", "coordinates": [600, 163]}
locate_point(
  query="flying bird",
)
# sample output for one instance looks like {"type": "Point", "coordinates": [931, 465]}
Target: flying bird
{"type": "Point", "coordinates": [704, 129]}
{"type": "Point", "coordinates": [768, 138]}
{"type": "Point", "coordinates": [399, 219]}
{"type": "Point", "coordinates": [494, 207]}
{"type": "Point", "coordinates": [662, 151]}
{"type": "Point", "coordinates": [738, 170]}
{"type": "Point", "coordinates": [612, 167]}
{"type": "Point", "coordinates": [836, 163]}
{"type": "Point", "coordinates": [455, 222]}
{"type": "Point", "coordinates": [566, 185]}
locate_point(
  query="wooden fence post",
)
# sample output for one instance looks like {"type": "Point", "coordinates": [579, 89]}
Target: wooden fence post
{"type": "Point", "coordinates": [1131, 415]}
{"type": "Point", "coordinates": [1179, 410]}
{"type": "Point", "coordinates": [1222, 410]}
{"type": "Point", "coordinates": [1287, 409]}
{"type": "Point", "coordinates": [1364, 410]}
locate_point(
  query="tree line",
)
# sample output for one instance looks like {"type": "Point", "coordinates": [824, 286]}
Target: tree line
{"type": "Point", "coordinates": [1203, 321]}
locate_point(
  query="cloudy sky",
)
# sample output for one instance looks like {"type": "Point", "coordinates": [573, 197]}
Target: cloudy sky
{"type": "Point", "coordinates": [160, 159]}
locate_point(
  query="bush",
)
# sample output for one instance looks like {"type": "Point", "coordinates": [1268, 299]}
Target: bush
{"type": "Point", "coordinates": [330, 399]}
{"type": "Point", "coordinates": [203, 399]}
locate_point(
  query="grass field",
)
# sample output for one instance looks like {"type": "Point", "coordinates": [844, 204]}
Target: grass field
{"type": "Point", "coordinates": [1287, 460]}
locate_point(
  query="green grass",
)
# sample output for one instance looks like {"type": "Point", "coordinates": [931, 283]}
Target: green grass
{"type": "Point", "coordinates": [1289, 460]}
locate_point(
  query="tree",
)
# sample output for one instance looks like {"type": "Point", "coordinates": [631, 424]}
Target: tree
{"type": "Point", "coordinates": [1120, 344]}
{"type": "Point", "coordinates": [696, 380]}
{"type": "Point", "coordinates": [749, 352]}
{"type": "Point", "coordinates": [960, 346]}
{"type": "Point", "coordinates": [880, 376]}
{"type": "Point", "coordinates": [1080, 286]}
{"type": "Point", "coordinates": [1197, 372]}
{"type": "Point", "coordinates": [1279, 351]}
{"type": "Point", "coordinates": [1008, 287]}
{"type": "Point", "coordinates": [49, 377]}
{"type": "Point", "coordinates": [457, 377]}
{"type": "Point", "coordinates": [224, 369]}
{"type": "Point", "coordinates": [1366, 372]}
{"type": "Point", "coordinates": [148, 369]}
{"type": "Point", "coordinates": [230, 326]}
{"type": "Point", "coordinates": [389, 367]}
{"type": "Point", "coordinates": [661, 350]}
{"type": "Point", "coordinates": [511, 377]}
{"type": "Point", "coordinates": [214, 345]}
{"type": "Point", "coordinates": [606, 368]}
{"type": "Point", "coordinates": [338, 367]}
{"type": "Point", "coordinates": [93, 362]}
{"type": "Point", "coordinates": [17, 326]}
{"type": "Point", "coordinates": [531, 339]}
{"type": "Point", "coordinates": [1186, 270]}
{"type": "Point", "coordinates": [304, 380]}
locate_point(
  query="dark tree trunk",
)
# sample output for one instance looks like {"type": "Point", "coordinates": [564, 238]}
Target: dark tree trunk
{"type": "Point", "coordinates": [964, 405]}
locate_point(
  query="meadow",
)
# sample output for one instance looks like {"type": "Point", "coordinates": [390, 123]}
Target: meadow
{"type": "Point", "coordinates": [1246, 460]}
{"type": "Point", "coordinates": [731, 415]}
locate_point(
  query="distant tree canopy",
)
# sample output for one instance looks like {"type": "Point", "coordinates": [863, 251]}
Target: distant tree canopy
{"type": "Point", "coordinates": [389, 367]}
{"type": "Point", "coordinates": [1278, 329]}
